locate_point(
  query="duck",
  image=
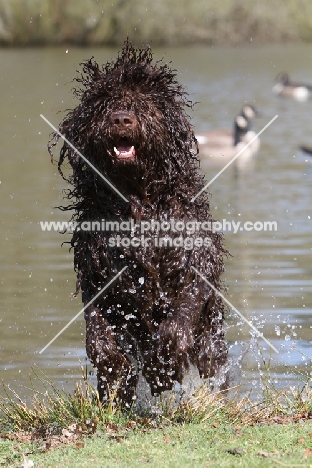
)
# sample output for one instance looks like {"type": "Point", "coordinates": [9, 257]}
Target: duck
{"type": "Point", "coordinates": [287, 88]}
{"type": "Point", "coordinates": [224, 144]}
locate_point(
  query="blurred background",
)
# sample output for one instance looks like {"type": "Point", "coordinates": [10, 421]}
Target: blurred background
{"type": "Point", "coordinates": [227, 53]}
{"type": "Point", "coordinates": [165, 22]}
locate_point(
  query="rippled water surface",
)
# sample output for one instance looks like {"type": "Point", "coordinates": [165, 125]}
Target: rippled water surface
{"type": "Point", "coordinates": [269, 275]}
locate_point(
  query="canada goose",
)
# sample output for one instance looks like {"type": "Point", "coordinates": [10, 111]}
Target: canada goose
{"type": "Point", "coordinates": [306, 149]}
{"type": "Point", "coordinates": [287, 88]}
{"type": "Point", "coordinates": [224, 144]}
{"type": "Point", "coordinates": [226, 136]}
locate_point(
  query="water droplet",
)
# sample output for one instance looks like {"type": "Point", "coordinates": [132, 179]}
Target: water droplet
{"type": "Point", "coordinates": [278, 330]}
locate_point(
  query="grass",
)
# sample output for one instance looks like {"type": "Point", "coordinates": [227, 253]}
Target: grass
{"type": "Point", "coordinates": [55, 410]}
{"type": "Point", "coordinates": [186, 445]}
{"type": "Point", "coordinates": [207, 429]}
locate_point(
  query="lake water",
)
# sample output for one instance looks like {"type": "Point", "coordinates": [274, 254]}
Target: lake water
{"type": "Point", "coordinates": [269, 275]}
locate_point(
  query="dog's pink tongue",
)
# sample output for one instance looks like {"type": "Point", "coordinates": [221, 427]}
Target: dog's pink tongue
{"type": "Point", "coordinates": [124, 152]}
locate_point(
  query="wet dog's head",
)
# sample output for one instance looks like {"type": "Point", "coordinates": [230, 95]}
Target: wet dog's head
{"type": "Point", "coordinates": [131, 119]}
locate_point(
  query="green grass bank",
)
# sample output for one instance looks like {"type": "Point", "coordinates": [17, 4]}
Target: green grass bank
{"type": "Point", "coordinates": [205, 429]}
{"type": "Point", "coordinates": [182, 446]}
{"type": "Point", "coordinates": [165, 22]}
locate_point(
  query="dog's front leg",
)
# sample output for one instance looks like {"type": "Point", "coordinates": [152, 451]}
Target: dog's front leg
{"type": "Point", "coordinates": [115, 374]}
{"type": "Point", "coordinates": [172, 351]}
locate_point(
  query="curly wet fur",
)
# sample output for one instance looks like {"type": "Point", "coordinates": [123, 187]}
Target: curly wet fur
{"type": "Point", "coordinates": [158, 316]}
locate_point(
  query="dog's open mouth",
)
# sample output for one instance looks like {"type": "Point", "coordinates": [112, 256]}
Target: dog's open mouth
{"type": "Point", "coordinates": [124, 149]}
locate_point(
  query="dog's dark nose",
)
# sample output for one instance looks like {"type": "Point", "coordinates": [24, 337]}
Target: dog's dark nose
{"type": "Point", "coordinates": [123, 119]}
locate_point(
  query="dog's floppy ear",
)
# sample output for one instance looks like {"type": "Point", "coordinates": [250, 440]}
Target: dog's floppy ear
{"type": "Point", "coordinates": [66, 150]}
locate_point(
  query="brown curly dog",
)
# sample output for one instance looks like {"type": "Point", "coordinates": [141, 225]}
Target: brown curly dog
{"type": "Point", "coordinates": [158, 316]}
